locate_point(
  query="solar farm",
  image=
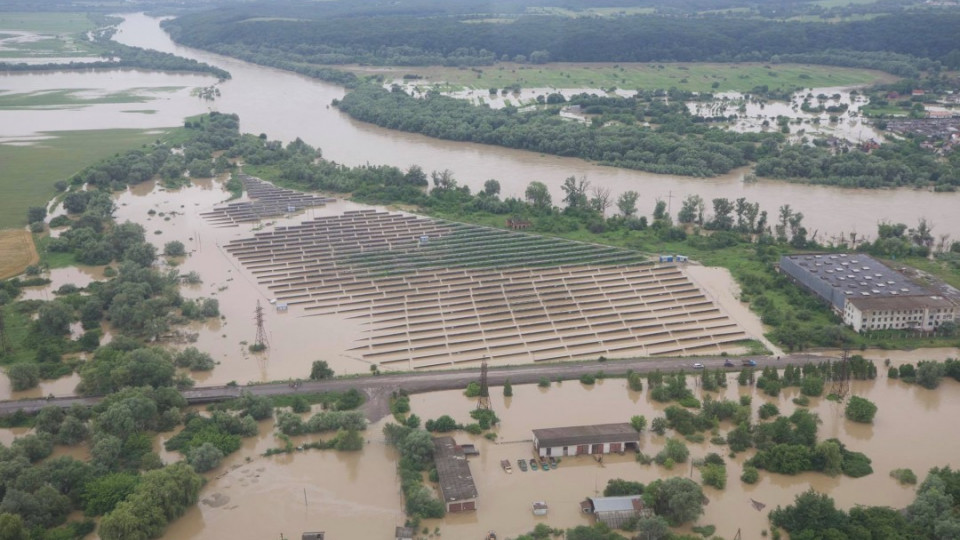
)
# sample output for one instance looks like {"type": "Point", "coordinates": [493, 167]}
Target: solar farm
{"type": "Point", "coordinates": [437, 294]}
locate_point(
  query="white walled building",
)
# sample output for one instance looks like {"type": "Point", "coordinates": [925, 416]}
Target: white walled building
{"type": "Point", "coordinates": [583, 440]}
{"type": "Point", "coordinates": [924, 313]}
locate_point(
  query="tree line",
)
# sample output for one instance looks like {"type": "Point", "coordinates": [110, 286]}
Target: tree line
{"type": "Point", "coordinates": [386, 37]}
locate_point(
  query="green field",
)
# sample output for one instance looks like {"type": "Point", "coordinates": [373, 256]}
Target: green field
{"type": "Point", "coordinates": [29, 172]}
{"type": "Point", "coordinates": [46, 22]}
{"type": "Point", "coordinates": [68, 97]}
{"type": "Point", "coordinates": [698, 77]}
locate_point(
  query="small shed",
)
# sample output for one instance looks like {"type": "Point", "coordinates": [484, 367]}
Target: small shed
{"type": "Point", "coordinates": [405, 533]}
{"type": "Point", "coordinates": [614, 512]}
{"type": "Point", "coordinates": [518, 224]}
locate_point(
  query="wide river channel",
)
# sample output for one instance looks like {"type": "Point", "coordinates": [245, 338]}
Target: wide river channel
{"type": "Point", "coordinates": [285, 106]}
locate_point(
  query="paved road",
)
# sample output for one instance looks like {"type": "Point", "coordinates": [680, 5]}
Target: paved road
{"type": "Point", "coordinates": [379, 388]}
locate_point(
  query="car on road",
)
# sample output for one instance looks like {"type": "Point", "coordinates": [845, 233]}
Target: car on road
{"type": "Point", "coordinates": [751, 363]}
{"type": "Point", "coordinates": [698, 365]}
{"type": "Point", "coordinates": [727, 363]}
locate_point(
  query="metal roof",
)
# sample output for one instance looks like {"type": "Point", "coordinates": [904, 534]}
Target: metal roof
{"type": "Point", "coordinates": [856, 274]}
{"type": "Point", "coordinates": [626, 503]}
{"type": "Point", "coordinates": [593, 434]}
{"type": "Point", "coordinates": [456, 481]}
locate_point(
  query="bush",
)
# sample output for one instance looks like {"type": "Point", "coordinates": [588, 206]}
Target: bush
{"type": "Point", "coordinates": [174, 249]}
{"type": "Point", "coordinates": [443, 424]}
{"type": "Point", "coordinates": [904, 476]}
{"type": "Point", "coordinates": [472, 390]}
{"type": "Point", "coordinates": [320, 370]}
{"type": "Point", "coordinates": [23, 376]}
{"type": "Point", "coordinates": [675, 451]}
{"type": "Point", "coordinates": [860, 410]}
{"type": "Point", "coordinates": [205, 457]}
{"type": "Point", "coordinates": [802, 401]}
{"type": "Point", "coordinates": [544, 382]}
{"type": "Point", "coordinates": [587, 379]}
{"type": "Point", "coordinates": [768, 410]}
{"type": "Point", "coordinates": [750, 474]}
{"type": "Point", "coordinates": [689, 402]}
{"type": "Point", "coordinates": [812, 386]}
{"type": "Point", "coordinates": [893, 373]}
{"type": "Point", "coordinates": [659, 425]}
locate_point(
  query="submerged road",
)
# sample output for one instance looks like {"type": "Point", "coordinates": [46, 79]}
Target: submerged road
{"type": "Point", "coordinates": [378, 388]}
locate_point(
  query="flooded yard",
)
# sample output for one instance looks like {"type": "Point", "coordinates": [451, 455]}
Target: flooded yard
{"type": "Point", "coordinates": [357, 495]}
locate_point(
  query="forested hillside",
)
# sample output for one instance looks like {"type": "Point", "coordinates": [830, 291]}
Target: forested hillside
{"type": "Point", "coordinates": [384, 37]}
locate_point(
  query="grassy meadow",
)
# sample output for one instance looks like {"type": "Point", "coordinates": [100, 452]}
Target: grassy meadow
{"type": "Point", "coordinates": [697, 77]}
{"type": "Point", "coordinates": [29, 171]}
{"type": "Point", "coordinates": [67, 97]}
{"type": "Point", "coordinates": [46, 22]}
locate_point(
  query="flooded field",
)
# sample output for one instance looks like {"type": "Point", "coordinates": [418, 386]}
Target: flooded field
{"type": "Point", "coordinates": [823, 112]}
{"type": "Point", "coordinates": [439, 294]}
{"type": "Point", "coordinates": [357, 495]}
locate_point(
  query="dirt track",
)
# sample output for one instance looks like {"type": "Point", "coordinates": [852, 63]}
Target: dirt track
{"type": "Point", "coordinates": [379, 388]}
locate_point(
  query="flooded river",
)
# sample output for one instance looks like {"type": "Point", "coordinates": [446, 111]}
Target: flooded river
{"type": "Point", "coordinates": [286, 105]}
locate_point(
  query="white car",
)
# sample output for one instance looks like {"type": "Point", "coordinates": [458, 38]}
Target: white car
{"type": "Point", "coordinates": [698, 365]}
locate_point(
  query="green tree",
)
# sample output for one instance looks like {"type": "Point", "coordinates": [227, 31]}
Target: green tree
{"type": "Point", "coordinates": [714, 475]}
{"type": "Point", "coordinates": [491, 188]}
{"type": "Point", "coordinates": [23, 376]}
{"type": "Point", "coordinates": [627, 203]}
{"type": "Point", "coordinates": [11, 527]}
{"type": "Point", "coordinates": [507, 388]}
{"type": "Point", "coordinates": [538, 195]}
{"type": "Point", "coordinates": [652, 528]}
{"type": "Point", "coordinates": [860, 410]}
{"type": "Point", "coordinates": [678, 500]}
{"type": "Point", "coordinates": [36, 213]}
{"type": "Point", "coordinates": [320, 371]}
{"type": "Point", "coordinates": [750, 474]}
{"type": "Point", "coordinates": [349, 441]}
{"type": "Point", "coordinates": [929, 374]}
{"type": "Point", "coordinates": [639, 422]}
{"type": "Point", "coordinates": [174, 249]}
{"type": "Point", "coordinates": [828, 453]}
{"type": "Point", "coordinates": [102, 494]}
{"type": "Point", "coordinates": [674, 450]}
{"type": "Point", "coordinates": [205, 457]}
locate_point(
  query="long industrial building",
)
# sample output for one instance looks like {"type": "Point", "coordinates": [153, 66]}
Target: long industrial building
{"type": "Point", "coordinates": [868, 294]}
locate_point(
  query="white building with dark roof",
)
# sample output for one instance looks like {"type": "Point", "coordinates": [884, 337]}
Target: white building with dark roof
{"type": "Point", "coordinates": [924, 313]}
{"type": "Point", "coordinates": [583, 440]}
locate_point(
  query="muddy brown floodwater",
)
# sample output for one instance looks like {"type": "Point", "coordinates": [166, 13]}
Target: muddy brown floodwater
{"type": "Point", "coordinates": [356, 495]}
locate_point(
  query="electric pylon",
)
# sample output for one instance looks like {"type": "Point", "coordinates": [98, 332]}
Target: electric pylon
{"type": "Point", "coordinates": [261, 342]}
{"type": "Point", "coordinates": [483, 400]}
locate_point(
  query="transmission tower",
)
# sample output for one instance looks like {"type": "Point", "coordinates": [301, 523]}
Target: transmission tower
{"type": "Point", "coordinates": [261, 342]}
{"type": "Point", "coordinates": [841, 379]}
{"type": "Point", "coordinates": [483, 400]}
{"type": "Point", "coordinates": [4, 342]}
